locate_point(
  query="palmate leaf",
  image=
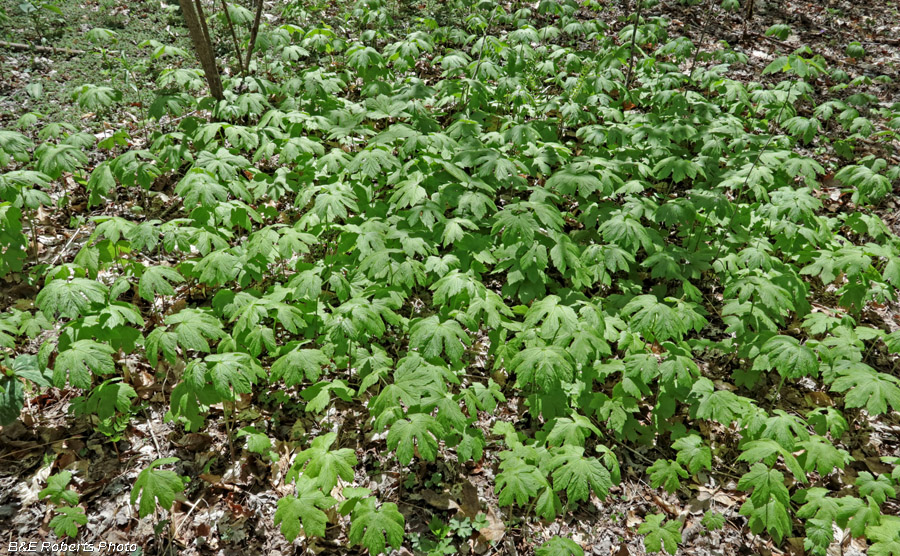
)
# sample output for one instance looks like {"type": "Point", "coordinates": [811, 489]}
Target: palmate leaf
{"type": "Point", "coordinates": [420, 432]}
{"type": "Point", "coordinates": [15, 185]}
{"type": "Point", "coordinates": [867, 388]}
{"type": "Point", "coordinates": [451, 285]}
{"type": "Point", "coordinates": [771, 516]}
{"type": "Point", "coordinates": [258, 442]}
{"type": "Point", "coordinates": [568, 181]}
{"type": "Point", "coordinates": [71, 298]}
{"type": "Point", "coordinates": [217, 268]}
{"type": "Point", "coordinates": [674, 212]}
{"type": "Point", "coordinates": [233, 372]}
{"type": "Point", "coordinates": [858, 515]}
{"type": "Point", "coordinates": [156, 280]}
{"type": "Point", "coordinates": [559, 546]}
{"type": "Point", "coordinates": [556, 320]}
{"type": "Point", "coordinates": [879, 489]}
{"type": "Point", "coordinates": [693, 453]}
{"type": "Point", "coordinates": [194, 329]}
{"type": "Point", "coordinates": [666, 474]}
{"type": "Point", "coordinates": [57, 489]}
{"type": "Point", "coordinates": [199, 187]}
{"type": "Point", "coordinates": [545, 367]}
{"type": "Point", "coordinates": [359, 318]}
{"type": "Point", "coordinates": [13, 146]}
{"type": "Point", "coordinates": [106, 399]}
{"type": "Point", "coordinates": [411, 383]}
{"type": "Point", "coordinates": [678, 168]}
{"type": "Point", "coordinates": [768, 504]}
{"type": "Point", "coordinates": [221, 164]}
{"type": "Point", "coordinates": [518, 482]}
{"type": "Point", "coordinates": [93, 97]}
{"type": "Point", "coordinates": [804, 128]}
{"type": "Point", "coordinates": [571, 431]}
{"type": "Point", "coordinates": [816, 503]}
{"type": "Point", "coordinates": [322, 464]}
{"type": "Point", "coordinates": [885, 537]}
{"type": "Point", "coordinates": [869, 184]}
{"type": "Point", "coordinates": [303, 511]}
{"type": "Point", "coordinates": [80, 360]}
{"type": "Point", "coordinates": [785, 429]}
{"type": "Point", "coordinates": [720, 405]}
{"type": "Point", "coordinates": [372, 162]}
{"type": "Point", "coordinates": [12, 390]}
{"type": "Point", "coordinates": [579, 475]}
{"type": "Point", "coordinates": [155, 485]}
{"type": "Point", "coordinates": [12, 399]}
{"type": "Point", "coordinates": [713, 521]}
{"type": "Point", "coordinates": [298, 365]}
{"type": "Point", "coordinates": [319, 395]}
{"type": "Point", "coordinates": [789, 357]}
{"type": "Point", "coordinates": [655, 320]}
{"type": "Point", "coordinates": [141, 236]}
{"type": "Point", "coordinates": [767, 451]}
{"type": "Point", "coordinates": [659, 537]}
{"type": "Point", "coordinates": [56, 159]}
{"type": "Point", "coordinates": [767, 484]}
{"type": "Point", "coordinates": [819, 534]}
{"type": "Point", "coordinates": [12, 241]}
{"type": "Point", "coordinates": [433, 337]}
{"type": "Point", "coordinates": [361, 57]}
{"type": "Point", "coordinates": [136, 168]}
{"type": "Point", "coordinates": [408, 193]}
{"type": "Point", "coordinates": [66, 521]}
{"type": "Point", "coordinates": [376, 528]}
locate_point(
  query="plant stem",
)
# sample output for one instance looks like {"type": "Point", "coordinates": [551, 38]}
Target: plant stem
{"type": "Point", "coordinates": [709, 8]}
{"type": "Point", "coordinates": [637, 20]}
{"type": "Point", "coordinates": [237, 46]}
{"type": "Point", "coordinates": [253, 32]}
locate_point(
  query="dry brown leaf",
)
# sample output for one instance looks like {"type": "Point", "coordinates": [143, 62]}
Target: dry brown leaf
{"type": "Point", "coordinates": [470, 505]}
{"type": "Point", "coordinates": [667, 507]}
{"type": "Point", "coordinates": [439, 500]}
{"type": "Point", "coordinates": [716, 494]}
{"type": "Point", "coordinates": [195, 441]}
{"type": "Point", "coordinates": [820, 399]}
{"type": "Point", "coordinates": [632, 519]}
{"type": "Point", "coordinates": [699, 503]}
{"type": "Point", "coordinates": [492, 534]}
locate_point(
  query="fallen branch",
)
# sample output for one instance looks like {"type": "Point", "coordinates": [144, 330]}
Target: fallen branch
{"type": "Point", "coordinates": [46, 49]}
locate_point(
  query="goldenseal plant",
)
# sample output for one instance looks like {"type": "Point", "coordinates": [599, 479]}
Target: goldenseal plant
{"type": "Point", "coordinates": [483, 235]}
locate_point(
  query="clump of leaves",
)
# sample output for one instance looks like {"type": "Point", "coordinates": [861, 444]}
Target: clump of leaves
{"type": "Point", "coordinates": [68, 515]}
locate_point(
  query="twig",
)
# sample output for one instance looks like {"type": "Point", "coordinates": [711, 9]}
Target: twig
{"type": "Point", "coordinates": [188, 516]}
{"type": "Point", "coordinates": [46, 49]}
{"type": "Point", "coordinates": [6, 455]}
{"type": "Point", "coordinates": [66, 247]}
{"type": "Point", "coordinates": [152, 435]}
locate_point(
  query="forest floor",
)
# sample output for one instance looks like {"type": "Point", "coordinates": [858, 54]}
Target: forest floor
{"type": "Point", "coordinates": [239, 504]}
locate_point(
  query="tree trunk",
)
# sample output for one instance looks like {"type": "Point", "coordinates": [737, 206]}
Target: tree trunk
{"type": "Point", "coordinates": [196, 24]}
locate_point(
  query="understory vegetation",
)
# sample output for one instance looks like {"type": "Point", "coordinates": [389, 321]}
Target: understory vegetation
{"type": "Point", "coordinates": [454, 239]}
